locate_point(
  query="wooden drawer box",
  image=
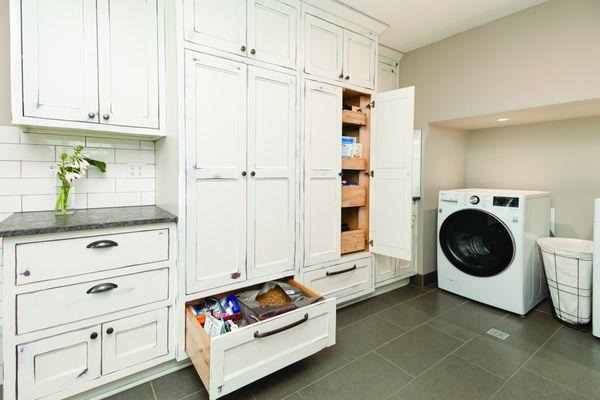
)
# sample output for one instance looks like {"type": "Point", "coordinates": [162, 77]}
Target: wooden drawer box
{"type": "Point", "coordinates": [235, 359]}
{"type": "Point", "coordinates": [53, 259]}
{"type": "Point", "coordinates": [354, 196]}
{"type": "Point", "coordinates": [353, 241]}
{"type": "Point", "coordinates": [65, 304]}
{"type": "Point", "coordinates": [342, 280]}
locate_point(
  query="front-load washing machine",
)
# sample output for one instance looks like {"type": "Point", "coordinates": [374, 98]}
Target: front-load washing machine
{"type": "Point", "coordinates": [487, 247]}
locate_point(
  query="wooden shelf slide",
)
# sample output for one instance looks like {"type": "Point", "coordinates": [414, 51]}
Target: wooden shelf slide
{"type": "Point", "coordinates": [354, 117]}
{"type": "Point", "coordinates": [353, 241]}
{"type": "Point", "coordinates": [354, 196]}
{"type": "Point", "coordinates": [359, 164]}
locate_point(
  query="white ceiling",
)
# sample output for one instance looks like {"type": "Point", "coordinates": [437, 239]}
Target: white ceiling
{"type": "Point", "coordinates": [416, 23]}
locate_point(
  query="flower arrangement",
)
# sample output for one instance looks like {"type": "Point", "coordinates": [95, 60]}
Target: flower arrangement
{"type": "Point", "coordinates": [70, 168]}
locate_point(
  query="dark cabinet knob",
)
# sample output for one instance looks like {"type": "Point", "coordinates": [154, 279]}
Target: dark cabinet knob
{"type": "Point", "coordinates": [244, 173]}
{"type": "Point", "coordinates": [347, 77]}
{"type": "Point", "coordinates": [109, 331]}
{"type": "Point", "coordinates": [253, 51]}
{"type": "Point", "coordinates": [252, 173]}
{"type": "Point", "coordinates": [341, 75]}
{"type": "Point", "coordinates": [94, 335]}
{"type": "Point", "coordinates": [243, 48]}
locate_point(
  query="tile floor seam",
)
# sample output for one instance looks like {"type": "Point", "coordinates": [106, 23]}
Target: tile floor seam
{"type": "Point", "coordinates": [556, 383]}
{"type": "Point", "coordinates": [482, 367]}
{"type": "Point", "coordinates": [445, 333]}
{"type": "Point", "coordinates": [525, 362]}
{"type": "Point", "coordinates": [153, 392]}
{"type": "Point", "coordinates": [393, 363]}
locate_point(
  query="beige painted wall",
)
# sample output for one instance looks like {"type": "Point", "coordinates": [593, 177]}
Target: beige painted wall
{"type": "Point", "coordinates": [4, 64]}
{"type": "Point", "coordinates": [543, 55]}
{"type": "Point", "coordinates": [562, 157]}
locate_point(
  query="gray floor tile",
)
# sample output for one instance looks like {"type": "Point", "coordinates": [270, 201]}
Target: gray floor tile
{"type": "Point", "coordinates": [364, 336]}
{"type": "Point", "coordinates": [141, 392]}
{"type": "Point", "coordinates": [370, 377]}
{"type": "Point", "coordinates": [545, 306]}
{"type": "Point", "coordinates": [419, 349]}
{"type": "Point", "coordinates": [295, 396]}
{"type": "Point", "coordinates": [241, 394]}
{"type": "Point", "coordinates": [401, 295]}
{"type": "Point", "coordinates": [355, 312]}
{"type": "Point", "coordinates": [569, 364]}
{"type": "Point", "coordinates": [585, 339]}
{"type": "Point", "coordinates": [437, 302]}
{"type": "Point", "coordinates": [498, 356]}
{"type": "Point", "coordinates": [467, 320]}
{"type": "Point", "coordinates": [527, 386]}
{"type": "Point", "coordinates": [293, 378]}
{"type": "Point", "coordinates": [528, 333]}
{"type": "Point", "coordinates": [453, 378]}
{"type": "Point", "coordinates": [177, 385]}
{"type": "Point", "coordinates": [406, 315]}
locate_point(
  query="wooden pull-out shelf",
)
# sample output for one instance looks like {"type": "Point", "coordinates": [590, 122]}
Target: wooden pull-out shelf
{"type": "Point", "coordinates": [354, 117]}
{"type": "Point", "coordinates": [353, 241]}
{"type": "Point", "coordinates": [354, 196]}
{"type": "Point", "coordinates": [359, 164]}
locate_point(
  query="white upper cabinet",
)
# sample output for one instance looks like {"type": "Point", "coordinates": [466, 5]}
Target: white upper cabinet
{"type": "Point", "coordinates": [88, 65]}
{"type": "Point", "coordinates": [59, 60]}
{"type": "Point", "coordinates": [392, 122]}
{"type": "Point", "coordinates": [323, 48]}
{"type": "Point", "coordinates": [359, 60]}
{"type": "Point", "coordinates": [220, 24]}
{"type": "Point", "coordinates": [323, 159]}
{"type": "Point", "coordinates": [128, 62]}
{"type": "Point", "coordinates": [271, 181]}
{"type": "Point", "coordinates": [387, 77]}
{"type": "Point", "coordinates": [215, 131]}
{"type": "Point", "coordinates": [272, 32]}
{"type": "Point", "coordinates": [263, 30]}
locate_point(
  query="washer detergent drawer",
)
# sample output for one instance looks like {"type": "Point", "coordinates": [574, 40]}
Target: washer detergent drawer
{"type": "Point", "coordinates": [235, 359]}
{"type": "Point", "coordinates": [65, 304]}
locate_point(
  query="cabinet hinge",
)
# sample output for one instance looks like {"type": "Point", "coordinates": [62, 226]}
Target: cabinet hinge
{"type": "Point", "coordinates": [371, 242]}
{"type": "Point", "coordinates": [372, 174]}
{"type": "Point", "coordinates": [372, 104]}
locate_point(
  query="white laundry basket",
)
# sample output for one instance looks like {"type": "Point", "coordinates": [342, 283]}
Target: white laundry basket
{"type": "Point", "coordinates": [568, 268]}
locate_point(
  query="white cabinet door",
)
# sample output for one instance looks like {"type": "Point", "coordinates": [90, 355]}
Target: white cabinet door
{"type": "Point", "coordinates": [220, 24]}
{"type": "Point", "coordinates": [323, 47]}
{"type": "Point", "coordinates": [133, 340]}
{"type": "Point", "coordinates": [323, 159]}
{"type": "Point", "coordinates": [272, 32]}
{"type": "Point", "coordinates": [215, 132]}
{"type": "Point", "coordinates": [60, 362]}
{"type": "Point", "coordinates": [271, 183]}
{"type": "Point", "coordinates": [390, 211]}
{"type": "Point", "coordinates": [359, 60]}
{"type": "Point", "coordinates": [60, 79]}
{"type": "Point", "coordinates": [387, 78]}
{"type": "Point", "coordinates": [128, 62]}
{"type": "Point", "coordinates": [385, 268]}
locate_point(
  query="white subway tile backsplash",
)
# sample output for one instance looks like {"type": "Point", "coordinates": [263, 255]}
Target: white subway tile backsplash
{"type": "Point", "coordinates": [59, 140]}
{"type": "Point", "coordinates": [135, 185]}
{"type": "Point", "coordinates": [144, 145]}
{"type": "Point", "coordinates": [112, 143]}
{"type": "Point", "coordinates": [97, 153]}
{"type": "Point", "coordinates": [112, 171]}
{"type": "Point", "coordinates": [95, 185]}
{"type": "Point", "coordinates": [10, 204]}
{"type": "Point", "coordinates": [26, 152]}
{"type": "Point", "coordinates": [47, 202]}
{"type": "Point", "coordinates": [27, 186]}
{"type": "Point", "coordinates": [10, 169]}
{"type": "Point", "coordinates": [134, 156]}
{"type": "Point", "coordinates": [148, 198]}
{"type": "Point", "coordinates": [96, 200]}
{"type": "Point", "coordinates": [9, 134]}
{"type": "Point", "coordinates": [36, 169]}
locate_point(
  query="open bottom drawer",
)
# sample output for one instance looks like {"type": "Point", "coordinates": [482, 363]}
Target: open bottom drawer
{"type": "Point", "coordinates": [227, 362]}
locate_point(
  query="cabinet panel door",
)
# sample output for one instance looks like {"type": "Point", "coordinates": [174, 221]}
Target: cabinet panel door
{"type": "Point", "coordinates": [128, 62]}
{"type": "Point", "coordinates": [215, 131]}
{"type": "Point", "coordinates": [390, 213]}
{"type": "Point", "coordinates": [271, 160]}
{"type": "Point", "coordinates": [323, 158]}
{"type": "Point", "coordinates": [323, 47]}
{"type": "Point", "coordinates": [60, 362]}
{"type": "Point", "coordinates": [133, 340]}
{"type": "Point", "coordinates": [387, 78]}
{"type": "Point", "coordinates": [272, 32]}
{"type": "Point", "coordinates": [385, 268]}
{"type": "Point", "coordinates": [60, 74]}
{"type": "Point", "coordinates": [359, 59]}
{"type": "Point", "coordinates": [220, 24]}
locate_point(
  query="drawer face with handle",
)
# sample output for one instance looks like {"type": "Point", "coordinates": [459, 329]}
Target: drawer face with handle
{"type": "Point", "coordinates": [51, 365]}
{"type": "Point", "coordinates": [341, 280]}
{"type": "Point", "coordinates": [133, 340]}
{"type": "Point", "coordinates": [227, 362]}
{"type": "Point", "coordinates": [65, 304]}
{"type": "Point", "coordinates": [41, 261]}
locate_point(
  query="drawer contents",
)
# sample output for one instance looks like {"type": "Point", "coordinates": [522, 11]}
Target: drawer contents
{"type": "Point", "coordinates": [256, 348]}
{"type": "Point", "coordinates": [41, 261]}
{"type": "Point", "coordinates": [65, 304]}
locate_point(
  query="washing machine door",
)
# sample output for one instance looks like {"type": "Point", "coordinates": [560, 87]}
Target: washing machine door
{"type": "Point", "coordinates": [477, 243]}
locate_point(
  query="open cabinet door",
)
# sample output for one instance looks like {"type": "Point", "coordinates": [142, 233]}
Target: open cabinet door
{"type": "Point", "coordinates": [392, 124]}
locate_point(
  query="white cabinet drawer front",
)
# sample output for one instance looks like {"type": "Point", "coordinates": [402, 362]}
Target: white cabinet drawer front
{"type": "Point", "coordinates": [51, 365]}
{"type": "Point", "coordinates": [341, 280]}
{"type": "Point", "coordinates": [227, 362]}
{"type": "Point", "coordinates": [62, 305]}
{"type": "Point", "coordinates": [133, 340]}
{"type": "Point", "coordinates": [41, 261]}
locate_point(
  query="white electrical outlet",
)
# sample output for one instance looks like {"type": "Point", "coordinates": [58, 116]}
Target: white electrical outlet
{"type": "Point", "coordinates": [135, 170]}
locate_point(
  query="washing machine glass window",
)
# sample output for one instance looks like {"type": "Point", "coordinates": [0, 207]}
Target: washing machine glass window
{"type": "Point", "coordinates": [477, 242]}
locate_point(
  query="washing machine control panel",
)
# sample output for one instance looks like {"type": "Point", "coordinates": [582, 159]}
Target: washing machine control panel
{"type": "Point", "coordinates": [474, 199]}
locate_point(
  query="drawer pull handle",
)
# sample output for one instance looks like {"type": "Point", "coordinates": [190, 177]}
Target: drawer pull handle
{"type": "Point", "coordinates": [342, 271]}
{"type": "Point", "coordinates": [102, 244]}
{"type": "Point", "coordinates": [259, 335]}
{"type": "Point", "coordinates": [102, 287]}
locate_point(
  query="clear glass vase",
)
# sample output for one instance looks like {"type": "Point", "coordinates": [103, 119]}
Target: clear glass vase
{"type": "Point", "coordinates": [65, 199]}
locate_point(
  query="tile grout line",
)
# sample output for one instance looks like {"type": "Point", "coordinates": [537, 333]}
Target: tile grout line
{"type": "Point", "coordinates": [153, 392]}
{"type": "Point", "coordinates": [525, 362]}
{"type": "Point", "coordinates": [557, 383]}
{"type": "Point", "coordinates": [482, 367]}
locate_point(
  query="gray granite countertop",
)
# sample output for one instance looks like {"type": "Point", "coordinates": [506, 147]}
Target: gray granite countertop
{"type": "Point", "coordinates": [36, 223]}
